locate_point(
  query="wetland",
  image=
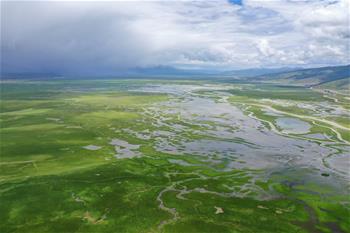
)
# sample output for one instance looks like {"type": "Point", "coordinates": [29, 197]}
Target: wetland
{"type": "Point", "coordinates": [116, 155]}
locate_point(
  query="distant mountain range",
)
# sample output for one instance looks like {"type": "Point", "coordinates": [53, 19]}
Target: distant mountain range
{"type": "Point", "coordinates": [159, 72]}
{"type": "Point", "coordinates": [248, 73]}
{"type": "Point", "coordinates": [309, 77]}
{"type": "Point", "coordinates": [172, 71]}
{"type": "Point", "coordinates": [337, 77]}
{"type": "Point", "coordinates": [166, 71]}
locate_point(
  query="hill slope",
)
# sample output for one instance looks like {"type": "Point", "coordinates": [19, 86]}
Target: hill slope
{"type": "Point", "coordinates": [340, 84]}
{"type": "Point", "coordinates": [308, 77]}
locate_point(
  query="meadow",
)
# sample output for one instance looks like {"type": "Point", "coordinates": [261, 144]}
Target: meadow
{"type": "Point", "coordinates": [172, 156]}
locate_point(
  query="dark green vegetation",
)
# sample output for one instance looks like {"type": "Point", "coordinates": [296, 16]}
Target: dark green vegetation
{"type": "Point", "coordinates": [52, 181]}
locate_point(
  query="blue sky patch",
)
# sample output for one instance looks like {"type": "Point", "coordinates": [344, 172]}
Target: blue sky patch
{"type": "Point", "coordinates": [238, 2]}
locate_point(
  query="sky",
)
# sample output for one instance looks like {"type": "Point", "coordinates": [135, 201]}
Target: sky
{"type": "Point", "coordinates": [91, 37]}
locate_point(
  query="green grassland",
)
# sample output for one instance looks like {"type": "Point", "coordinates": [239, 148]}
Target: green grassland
{"type": "Point", "coordinates": [50, 183]}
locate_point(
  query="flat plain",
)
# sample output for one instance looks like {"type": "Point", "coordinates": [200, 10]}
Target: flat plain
{"type": "Point", "coordinates": [172, 156]}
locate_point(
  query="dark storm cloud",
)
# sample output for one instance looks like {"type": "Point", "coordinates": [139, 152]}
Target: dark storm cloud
{"type": "Point", "coordinates": [67, 38]}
